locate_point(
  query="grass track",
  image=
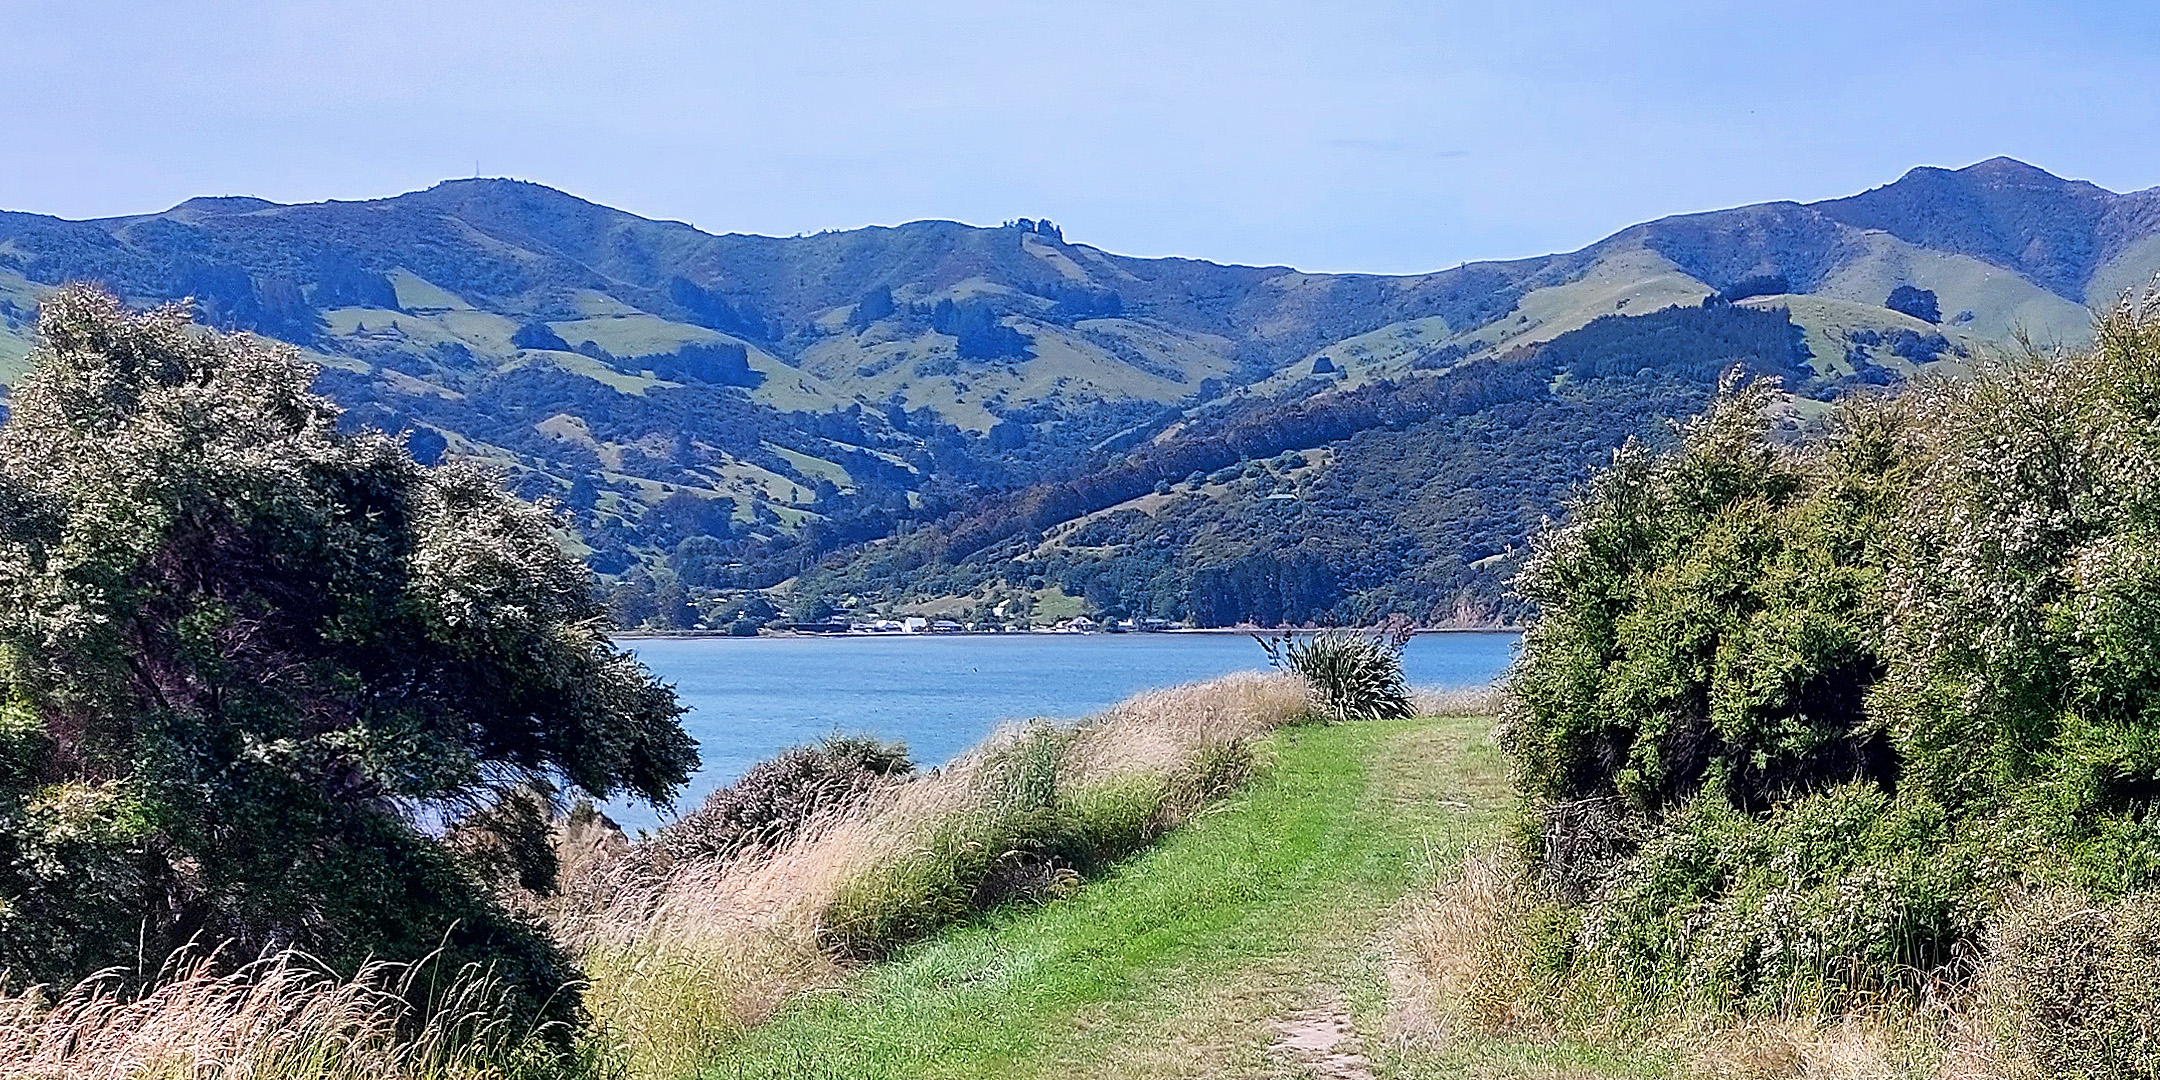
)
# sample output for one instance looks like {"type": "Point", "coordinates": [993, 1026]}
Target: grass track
{"type": "Point", "coordinates": [1280, 900]}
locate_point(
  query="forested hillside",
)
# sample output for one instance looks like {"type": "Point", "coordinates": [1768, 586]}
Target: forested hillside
{"type": "Point", "coordinates": [948, 418]}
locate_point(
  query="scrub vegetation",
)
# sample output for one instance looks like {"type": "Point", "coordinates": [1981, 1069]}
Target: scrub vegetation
{"type": "Point", "coordinates": [1830, 753]}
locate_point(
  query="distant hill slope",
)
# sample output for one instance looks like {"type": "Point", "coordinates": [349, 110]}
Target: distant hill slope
{"type": "Point", "coordinates": [798, 400]}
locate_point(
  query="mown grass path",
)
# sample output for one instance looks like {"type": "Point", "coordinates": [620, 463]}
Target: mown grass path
{"type": "Point", "coordinates": [1185, 962]}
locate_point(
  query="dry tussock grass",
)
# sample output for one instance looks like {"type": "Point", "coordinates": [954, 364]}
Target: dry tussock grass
{"type": "Point", "coordinates": [1457, 701]}
{"type": "Point", "coordinates": [680, 965]}
{"type": "Point", "coordinates": [1458, 963]}
{"type": "Point", "coordinates": [280, 1018]}
{"type": "Point", "coordinates": [1852, 1047]}
{"type": "Point", "coordinates": [1161, 731]}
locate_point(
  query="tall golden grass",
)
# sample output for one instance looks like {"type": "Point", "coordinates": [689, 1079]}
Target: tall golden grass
{"type": "Point", "coordinates": [1457, 701]}
{"type": "Point", "coordinates": [279, 1018]}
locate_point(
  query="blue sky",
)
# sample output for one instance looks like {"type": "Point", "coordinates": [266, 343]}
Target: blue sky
{"type": "Point", "coordinates": [1328, 136]}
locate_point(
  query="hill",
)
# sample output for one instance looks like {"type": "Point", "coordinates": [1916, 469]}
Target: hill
{"type": "Point", "coordinates": [872, 411]}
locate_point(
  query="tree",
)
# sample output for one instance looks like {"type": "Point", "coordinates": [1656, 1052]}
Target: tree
{"type": "Point", "coordinates": [979, 332]}
{"type": "Point", "coordinates": [700, 562]}
{"type": "Point", "coordinates": [426, 445]}
{"type": "Point", "coordinates": [875, 305]}
{"type": "Point", "coordinates": [246, 661]}
{"type": "Point", "coordinates": [538, 335]}
{"type": "Point", "coordinates": [721, 363]}
{"type": "Point", "coordinates": [1918, 303]}
{"type": "Point", "coordinates": [682, 515]}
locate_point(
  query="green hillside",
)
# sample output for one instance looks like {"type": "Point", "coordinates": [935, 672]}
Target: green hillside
{"type": "Point", "coordinates": [857, 399]}
{"type": "Point", "coordinates": [1412, 497]}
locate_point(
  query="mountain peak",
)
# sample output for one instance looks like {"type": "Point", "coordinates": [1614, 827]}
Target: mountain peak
{"type": "Point", "coordinates": [2001, 210]}
{"type": "Point", "coordinates": [2000, 168]}
{"type": "Point", "coordinates": [223, 204]}
{"type": "Point", "coordinates": [503, 201]}
{"type": "Point", "coordinates": [492, 183]}
{"type": "Point", "coordinates": [2010, 173]}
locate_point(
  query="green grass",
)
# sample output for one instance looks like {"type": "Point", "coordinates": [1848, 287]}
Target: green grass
{"type": "Point", "coordinates": [1282, 899]}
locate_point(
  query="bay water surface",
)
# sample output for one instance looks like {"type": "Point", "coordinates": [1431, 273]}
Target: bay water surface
{"type": "Point", "coordinates": [750, 698]}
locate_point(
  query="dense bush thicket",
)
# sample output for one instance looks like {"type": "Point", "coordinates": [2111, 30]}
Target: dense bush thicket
{"type": "Point", "coordinates": [247, 661]}
{"type": "Point", "coordinates": [1798, 720]}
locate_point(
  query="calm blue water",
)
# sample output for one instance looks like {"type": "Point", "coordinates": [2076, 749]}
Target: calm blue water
{"type": "Point", "coordinates": [749, 698]}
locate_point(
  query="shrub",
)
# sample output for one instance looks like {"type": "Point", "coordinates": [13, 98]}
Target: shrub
{"type": "Point", "coordinates": [776, 800]}
{"type": "Point", "coordinates": [1848, 892]}
{"type": "Point", "coordinates": [1706, 620]}
{"type": "Point", "coordinates": [244, 657]}
{"type": "Point", "coordinates": [1352, 676]}
{"type": "Point", "coordinates": [1796, 715]}
{"type": "Point", "coordinates": [1688, 717]}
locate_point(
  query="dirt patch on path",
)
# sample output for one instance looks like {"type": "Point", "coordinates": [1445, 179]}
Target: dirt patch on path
{"type": "Point", "coordinates": [1323, 1041]}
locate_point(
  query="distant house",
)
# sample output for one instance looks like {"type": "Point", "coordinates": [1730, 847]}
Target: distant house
{"type": "Point", "coordinates": [914, 624]}
{"type": "Point", "coordinates": [946, 626]}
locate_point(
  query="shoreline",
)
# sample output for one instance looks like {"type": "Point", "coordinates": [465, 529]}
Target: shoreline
{"type": "Point", "coordinates": [667, 635]}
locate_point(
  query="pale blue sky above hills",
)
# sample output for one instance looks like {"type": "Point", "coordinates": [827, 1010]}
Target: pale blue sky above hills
{"type": "Point", "coordinates": [1329, 136]}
